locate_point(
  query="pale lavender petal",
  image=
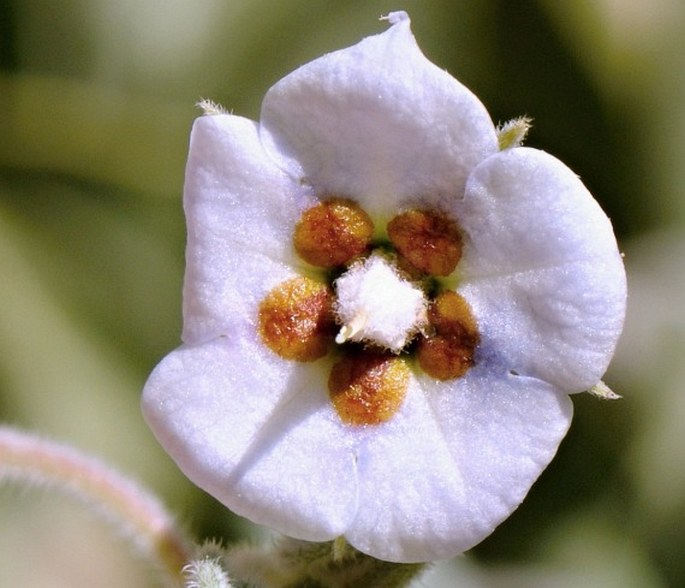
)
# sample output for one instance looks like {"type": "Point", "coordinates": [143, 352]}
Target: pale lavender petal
{"type": "Point", "coordinates": [241, 211]}
{"type": "Point", "coordinates": [378, 122]}
{"type": "Point", "coordinates": [461, 456]}
{"type": "Point", "coordinates": [541, 269]}
{"type": "Point", "coordinates": [256, 432]}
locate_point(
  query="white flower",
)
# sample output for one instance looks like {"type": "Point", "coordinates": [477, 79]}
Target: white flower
{"type": "Point", "coordinates": [411, 411]}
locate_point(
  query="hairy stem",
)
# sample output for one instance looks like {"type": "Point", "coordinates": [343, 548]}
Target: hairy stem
{"type": "Point", "coordinates": [132, 510]}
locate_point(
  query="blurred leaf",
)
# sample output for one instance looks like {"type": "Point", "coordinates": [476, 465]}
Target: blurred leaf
{"type": "Point", "coordinates": [113, 260]}
{"type": "Point", "coordinates": [59, 378]}
{"type": "Point", "coordinates": [94, 133]}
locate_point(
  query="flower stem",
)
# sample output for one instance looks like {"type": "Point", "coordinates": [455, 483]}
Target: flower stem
{"type": "Point", "coordinates": [132, 510]}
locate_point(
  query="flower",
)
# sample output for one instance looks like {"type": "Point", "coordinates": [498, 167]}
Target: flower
{"type": "Point", "coordinates": [384, 311]}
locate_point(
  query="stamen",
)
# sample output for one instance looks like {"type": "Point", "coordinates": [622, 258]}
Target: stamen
{"type": "Point", "coordinates": [333, 233]}
{"type": "Point", "coordinates": [449, 353]}
{"type": "Point", "coordinates": [354, 329]}
{"type": "Point", "coordinates": [378, 306]}
{"type": "Point", "coordinates": [444, 358]}
{"type": "Point", "coordinates": [430, 241]}
{"type": "Point", "coordinates": [450, 314]}
{"type": "Point", "coordinates": [296, 319]}
{"type": "Point", "coordinates": [367, 388]}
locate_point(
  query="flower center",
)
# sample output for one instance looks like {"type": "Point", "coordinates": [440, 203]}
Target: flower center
{"type": "Point", "coordinates": [382, 301]}
{"type": "Point", "coordinates": [377, 306]}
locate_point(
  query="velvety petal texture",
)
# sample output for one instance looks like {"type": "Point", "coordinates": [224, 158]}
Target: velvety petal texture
{"type": "Point", "coordinates": [257, 435]}
{"type": "Point", "coordinates": [240, 210]}
{"type": "Point", "coordinates": [541, 264]}
{"type": "Point", "coordinates": [379, 124]}
{"type": "Point", "coordinates": [455, 463]}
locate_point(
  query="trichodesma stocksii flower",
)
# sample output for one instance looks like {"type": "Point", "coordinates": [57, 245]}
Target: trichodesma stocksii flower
{"type": "Point", "coordinates": [385, 309]}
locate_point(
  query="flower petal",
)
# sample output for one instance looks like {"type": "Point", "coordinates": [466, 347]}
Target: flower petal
{"type": "Point", "coordinates": [378, 122]}
{"type": "Point", "coordinates": [456, 462]}
{"type": "Point", "coordinates": [264, 441]}
{"type": "Point", "coordinates": [541, 269]}
{"type": "Point", "coordinates": [241, 211]}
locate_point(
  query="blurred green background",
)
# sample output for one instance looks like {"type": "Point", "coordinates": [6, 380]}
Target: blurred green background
{"type": "Point", "coordinates": [96, 101]}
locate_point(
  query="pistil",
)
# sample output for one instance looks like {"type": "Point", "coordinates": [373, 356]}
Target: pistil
{"type": "Point", "coordinates": [376, 305]}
